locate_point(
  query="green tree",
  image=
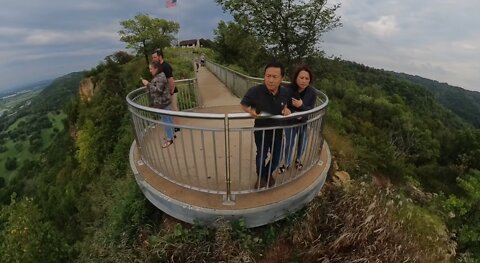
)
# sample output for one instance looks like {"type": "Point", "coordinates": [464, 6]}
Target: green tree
{"type": "Point", "coordinates": [289, 29]}
{"type": "Point", "coordinates": [464, 214]}
{"type": "Point", "coordinates": [232, 41]}
{"type": "Point", "coordinates": [120, 57]}
{"type": "Point", "coordinates": [3, 148]}
{"type": "Point", "coordinates": [25, 235]}
{"type": "Point", "coordinates": [11, 163]}
{"type": "Point", "coordinates": [143, 33]}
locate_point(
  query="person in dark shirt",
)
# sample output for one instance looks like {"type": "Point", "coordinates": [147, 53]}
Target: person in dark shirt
{"type": "Point", "coordinates": [303, 99]}
{"type": "Point", "coordinates": [273, 99]}
{"type": "Point", "coordinates": [157, 56]}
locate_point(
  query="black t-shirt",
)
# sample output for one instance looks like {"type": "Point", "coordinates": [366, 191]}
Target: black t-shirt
{"type": "Point", "coordinates": [262, 100]}
{"type": "Point", "coordinates": [308, 97]}
{"type": "Point", "coordinates": [167, 70]}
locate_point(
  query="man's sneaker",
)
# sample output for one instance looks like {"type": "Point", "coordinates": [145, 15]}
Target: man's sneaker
{"type": "Point", "coordinates": [260, 184]}
{"type": "Point", "coordinates": [271, 182]}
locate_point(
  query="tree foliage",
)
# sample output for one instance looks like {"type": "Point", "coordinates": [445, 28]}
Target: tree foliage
{"type": "Point", "coordinates": [237, 46]}
{"type": "Point", "coordinates": [11, 163]}
{"type": "Point", "coordinates": [144, 34]}
{"type": "Point", "coordinates": [290, 30]}
{"type": "Point", "coordinates": [84, 192]}
{"type": "Point", "coordinates": [464, 103]}
{"type": "Point", "coordinates": [25, 235]}
{"type": "Point", "coordinates": [464, 214]}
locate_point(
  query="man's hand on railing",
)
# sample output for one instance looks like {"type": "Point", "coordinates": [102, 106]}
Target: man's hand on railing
{"type": "Point", "coordinates": [253, 112]}
{"type": "Point", "coordinates": [286, 111]}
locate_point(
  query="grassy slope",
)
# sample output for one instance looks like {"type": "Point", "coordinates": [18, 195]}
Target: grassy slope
{"type": "Point", "coordinates": [24, 154]}
{"type": "Point", "coordinates": [17, 100]}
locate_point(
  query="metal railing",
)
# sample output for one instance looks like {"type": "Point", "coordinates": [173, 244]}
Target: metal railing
{"type": "Point", "coordinates": [215, 152]}
{"type": "Point", "coordinates": [237, 82]}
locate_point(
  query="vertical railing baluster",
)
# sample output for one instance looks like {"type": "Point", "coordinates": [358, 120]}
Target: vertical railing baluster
{"type": "Point", "coordinates": [228, 200]}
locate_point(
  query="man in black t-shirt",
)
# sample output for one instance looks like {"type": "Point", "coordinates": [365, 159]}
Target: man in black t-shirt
{"type": "Point", "coordinates": [157, 55]}
{"type": "Point", "coordinates": [273, 99]}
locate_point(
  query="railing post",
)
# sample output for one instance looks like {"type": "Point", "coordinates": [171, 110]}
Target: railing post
{"type": "Point", "coordinates": [228, 199]}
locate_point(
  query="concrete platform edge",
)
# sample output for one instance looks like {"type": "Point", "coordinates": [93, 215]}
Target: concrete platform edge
{"type": "Point", "coordinates": [253, 216]}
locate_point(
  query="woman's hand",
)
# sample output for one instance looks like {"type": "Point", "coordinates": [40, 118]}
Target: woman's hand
{"type": "Point", "coordinates": [297, 103]}
{"type": "Point", "coordinates": [145, 82]}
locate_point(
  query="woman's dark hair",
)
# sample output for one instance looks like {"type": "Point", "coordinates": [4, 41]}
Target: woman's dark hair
{"type": "Point", "coordinates": [297, 71]}
{"type": "Point", "coordinates": [158, 66]}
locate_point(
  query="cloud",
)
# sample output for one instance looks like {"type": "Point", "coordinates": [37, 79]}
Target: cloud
{"type": "Point", "coordinates": [433, 39]}
{"type": "Point", "coordinates": [45, 37]}
{"type": "Point", "coordinates": [52, 37]}
{"type": "Point", "coordinates": [384, 26]}
{"type": "Point", "coordinates": [11, 31]}
{"type": "Point", "coordinates": [430, 38]}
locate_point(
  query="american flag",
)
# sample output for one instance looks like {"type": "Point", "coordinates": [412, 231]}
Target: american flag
{"type": "Point", "coordinates": [171, 3]}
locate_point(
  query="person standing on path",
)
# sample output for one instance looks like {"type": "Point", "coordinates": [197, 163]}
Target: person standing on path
{"type": "Point", "coordinates": [197, 63]}
{"type": "Point", "coordinates": [202, 60]}
{"type": "Point", "coordinates": [271, 98]}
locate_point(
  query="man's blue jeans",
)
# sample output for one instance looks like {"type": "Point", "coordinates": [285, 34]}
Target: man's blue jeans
{"type": "Point", "coordinates": [268, 141]}
{"type": "Point", "coordinates": [168, 122]}
{"type": "Point", "coordinates": [290, 133]}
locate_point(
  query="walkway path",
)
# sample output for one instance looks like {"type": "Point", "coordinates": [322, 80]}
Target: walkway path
{"type": "Point", "coordinates": [213, 92]}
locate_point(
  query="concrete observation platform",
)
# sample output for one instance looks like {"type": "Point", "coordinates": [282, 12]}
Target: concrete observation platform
{"type": "Point", "coordinates": [256, 206]}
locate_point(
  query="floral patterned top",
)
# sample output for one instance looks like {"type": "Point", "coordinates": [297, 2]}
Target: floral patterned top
{"type": "Point", "coordinates": [159, 91]}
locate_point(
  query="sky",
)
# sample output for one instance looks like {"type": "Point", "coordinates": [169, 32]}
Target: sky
{"type": "Point", "coordinates": [436, 39]}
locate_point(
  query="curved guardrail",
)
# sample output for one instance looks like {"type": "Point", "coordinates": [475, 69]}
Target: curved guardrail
{"type": "Point", "coordinates": [215, 152]}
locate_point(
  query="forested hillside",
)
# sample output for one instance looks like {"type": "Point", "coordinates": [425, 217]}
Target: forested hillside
{"type": "Point", "coordinates": [29, 128]}
{"type": "Point", "coordinates": [464, 103]}
{"type": "Point", "coordinates": [82, 203]}
{"type": "Point", "coordinates": [78, 202]}
{"type": "Point", "coordinates": [399, 129]}
{"type": "Point", "coordinates": [380, 126]}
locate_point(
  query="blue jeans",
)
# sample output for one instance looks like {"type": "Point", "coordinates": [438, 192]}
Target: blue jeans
{"type": "Point", "coordinates": [268, 140]}
{"type": "Point", "coordinates": [168, 122]}
{"type": "Point", "coordinates": [290, 133]}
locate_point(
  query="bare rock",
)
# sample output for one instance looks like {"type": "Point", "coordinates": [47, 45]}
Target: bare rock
{"type": "Point", "coordinates": [341, 178]}
{"type": "Point", "coordinates": [87, 89]}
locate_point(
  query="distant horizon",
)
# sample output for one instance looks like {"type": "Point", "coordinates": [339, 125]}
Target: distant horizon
{"type": "Point", "coordinates": [435, 40]}
{"type": "Point", "coordinates": [29, 85]}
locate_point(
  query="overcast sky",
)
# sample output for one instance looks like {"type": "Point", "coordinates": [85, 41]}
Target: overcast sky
{"type": "Point", "coordinates": [437, 39]}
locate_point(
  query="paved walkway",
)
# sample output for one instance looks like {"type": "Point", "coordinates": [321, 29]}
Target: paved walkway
{"type": "Point", "coordinates": [213, 92]}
